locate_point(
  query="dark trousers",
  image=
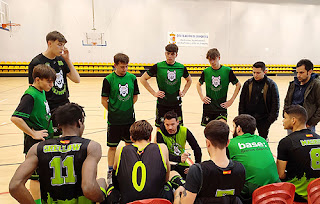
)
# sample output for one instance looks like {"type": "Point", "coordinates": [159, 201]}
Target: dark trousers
{"type": "Point", "coordinates": [263, 127]}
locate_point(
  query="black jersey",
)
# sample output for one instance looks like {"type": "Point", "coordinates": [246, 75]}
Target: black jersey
{"type": "Point", "coordinates": [301, 149]}
{"type": "Point", "coordinates": [60, 168]}
{"type": "Point", "coordinates": [59, 93]}
{"type": "Point", "coordinates": [214, 184]}
{"type": "Point", "coordinates": [141, 174]}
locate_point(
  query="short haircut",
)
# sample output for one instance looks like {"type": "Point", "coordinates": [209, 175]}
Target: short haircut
{"type": "Point", "coordinates": [120, 57]}
{"type": "Point", "coordinates": [307, 64]}
{"type": "Point", "coordinates": [172, 48]}
{"type": "Point", "coordinates": [246, 122]}
{"type": "Point", "coordinates": [55, 35]}
{"type": "Point", "coordinates": [68, 114]}
{"type": "Point", "coordinates": [298, 112]}
{"type": "Point", "coordinates": [212, 54]}
{"type": "Point", "coordinates": [171, 114]}
{"type": "Point", "coordinates": [44, 72]}
{"type": "Point", "coordinates": [217, 132]}
{"type": "Point", "coordinates": [260, 64]}
{"type": "Point", "coordinates": [140, 130]}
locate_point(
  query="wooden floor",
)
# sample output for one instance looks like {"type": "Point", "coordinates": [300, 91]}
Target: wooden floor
{"type": "Point", "coordinates": [87, 94]}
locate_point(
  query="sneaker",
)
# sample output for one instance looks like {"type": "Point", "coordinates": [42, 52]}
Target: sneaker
{"type": "Point", "coordinates": [109, 178]}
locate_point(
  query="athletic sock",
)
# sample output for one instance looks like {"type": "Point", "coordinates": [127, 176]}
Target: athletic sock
{"type": "Point", "coordinates": [38, 201]}
{"type": "Point", "coordinates": [177, 181]}
{"type": "Point", "coordinates": [110, 168]}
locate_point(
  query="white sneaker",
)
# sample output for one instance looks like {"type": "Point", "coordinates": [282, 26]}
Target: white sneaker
{"type": "Point", "coordinates": [109, 178]}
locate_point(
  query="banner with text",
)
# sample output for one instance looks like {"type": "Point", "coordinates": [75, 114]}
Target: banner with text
{"type": "Point", "coordinates": [189, 39]}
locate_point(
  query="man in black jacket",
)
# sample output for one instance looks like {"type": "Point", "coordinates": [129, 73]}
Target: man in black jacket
{"type": "Point", "coordinates": [260, 99]}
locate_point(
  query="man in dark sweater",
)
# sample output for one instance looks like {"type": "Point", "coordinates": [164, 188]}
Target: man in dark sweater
{"type": "Point", "coordinates": [175, 136]}
{"type": "Point", "coordinates": [260, 99]}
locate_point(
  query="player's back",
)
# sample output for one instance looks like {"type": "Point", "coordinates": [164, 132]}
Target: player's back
{"type": "Point", "coordinates": [60, 166]}
{"type": "Point", "coordinates": [304, 155]}
{"type": "Point", "coordinates": [141, 174]}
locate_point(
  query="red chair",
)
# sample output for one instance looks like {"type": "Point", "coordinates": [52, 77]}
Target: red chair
{"type": "Point", "coordinates": [314, 191]}
{"type": "Point", "coordinates": [274, 193]}
{"type": "Point", "coordinates": [151, 201]}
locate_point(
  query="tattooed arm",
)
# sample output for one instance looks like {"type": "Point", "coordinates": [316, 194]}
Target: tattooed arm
{"type": "Point", "coordinates": [182, 196]}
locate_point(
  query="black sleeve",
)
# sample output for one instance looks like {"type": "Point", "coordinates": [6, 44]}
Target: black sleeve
{"type": "Point", "coordinates": [195, 146]}
{"type": "Point", "coordinates": [136, 87]}
{"type": "Point", "coordinates": [105, 88]}
{"type": "Point", "coordinates": [232, 78]}
{"type": "Point", "coordinates": [201, 80]}
{"type": "Point", "coordinates": [283, 149]}
{"type": "Point", "coordinates": [274, 112]}
{"type": "Point", "coordinates": [228, 153]}
{"type": "Point", "coordinates": [25, 107]}
{"type": "Point", "coordinates": [159, 138]}
{"type": "Point", "coordinates": [194, 179]}
{"type": "Point", "coordinates": [243, 98]}
{"type": "Point", "coordinates": [65, 66]}
{"type": "Point", "coordinates": [153, 70]}
{"type": "Point", "coordinates": [32, 64]}
{"type": "Point", "coordinates": [185, 72]}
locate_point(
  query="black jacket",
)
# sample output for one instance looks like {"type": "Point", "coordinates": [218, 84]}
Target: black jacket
{"type": "Point", "coordinates": [271, 99]}
{"type": "Point", "coordinates": [311, 99]}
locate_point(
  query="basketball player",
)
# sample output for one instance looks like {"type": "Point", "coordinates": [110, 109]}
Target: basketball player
{"type": "Point", "coordinates": [217, 79]}
{"type": "Point", "coordinates": [32, 116]}
{"type": "Point", "coordinates": [168, 74]}
{"type": "Point", "coordinates": [67, 165]}
{"type": "Point", "coordinates": [119, 92]}
{"type": "Point", "coordinates": [142, 169]}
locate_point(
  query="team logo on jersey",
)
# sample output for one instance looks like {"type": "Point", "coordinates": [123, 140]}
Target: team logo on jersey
{"type": "Point", "coordinates": [171, 75]}
{"type": "Point", "coordinates": [216, 81]}
{"type": "Point", "coordinates": [123, 90]}
{"type": "Point", "coordinates": [47, 107]}
{"type": "Point", "coordinates": [175, 147]}
{"type": "Point", "coordinates": [59, 80]}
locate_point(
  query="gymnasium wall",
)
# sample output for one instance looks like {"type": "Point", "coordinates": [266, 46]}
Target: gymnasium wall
{"type": "Point", "coordinates": [278, 32]}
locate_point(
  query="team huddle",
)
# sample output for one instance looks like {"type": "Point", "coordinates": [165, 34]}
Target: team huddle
{"type": "Point", "coordinates": [62, 166]}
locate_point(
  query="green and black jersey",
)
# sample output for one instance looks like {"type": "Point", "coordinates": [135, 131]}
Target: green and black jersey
{"type": "Point", "coordinates": [217, 84]}
{"type": "Point", "coordinates": [60, 169]}
{"type": "Point", "coordinates": [141, 173]}
{"type": "Point", "coordinates": [169, 80]}
{"type": "Point", "coordinates": [59, 93]}
{"type": "Point", "coordinates": [301, 149]}
{"type": "Point", "coordinates": [120, 91]}
{"type": "Point", "coordinates": [254, 153]}
{"type": "Point", "coordinates": [35, 111]}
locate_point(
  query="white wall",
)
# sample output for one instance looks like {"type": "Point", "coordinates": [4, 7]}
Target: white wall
{"type": "Point", "coordinates": [244, 31]}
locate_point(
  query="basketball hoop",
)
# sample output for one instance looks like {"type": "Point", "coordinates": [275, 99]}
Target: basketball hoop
{"type": "Point", "coordinates": [12, 27]}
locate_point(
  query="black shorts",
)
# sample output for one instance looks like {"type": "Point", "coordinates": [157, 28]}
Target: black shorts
{"type": "Point", "coordinates": [180, 169]}
{"type": "Point", "coordinates": [116, 133]}
{"type": "Point", "coordinates": [207, 117]}
{"type": "Point", "coordinates": [162, 110]}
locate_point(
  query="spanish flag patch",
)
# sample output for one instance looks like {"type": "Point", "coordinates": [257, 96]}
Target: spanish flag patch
{"type": "Point", "coordinates": [227, 172]}
{"type": "Point", "coordinates": [309, 135]}
{"type": "Point", "coordinates": [65, 141]}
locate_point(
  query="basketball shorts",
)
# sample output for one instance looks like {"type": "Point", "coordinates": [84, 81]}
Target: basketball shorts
{"type": "Point", "coordinates": [116, 133]}
{"type": "Point", "coordinates": [162, 110]}
{"type": "Point", "coordinates": [207, 117]}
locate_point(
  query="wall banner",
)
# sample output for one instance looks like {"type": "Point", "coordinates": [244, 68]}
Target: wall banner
{"type": "Point", "coordinates": [189, 39]}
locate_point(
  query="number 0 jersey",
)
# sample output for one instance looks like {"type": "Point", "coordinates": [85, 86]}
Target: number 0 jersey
{"type": "Point", "coordinates": [141, 174]}
{"type": "Point", "coordinates": [301, 149]}
{"type": "Point", "coordinates": [60, 166]}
